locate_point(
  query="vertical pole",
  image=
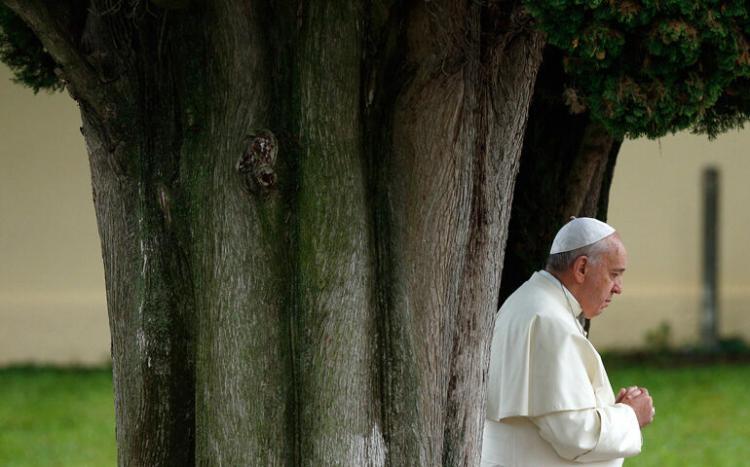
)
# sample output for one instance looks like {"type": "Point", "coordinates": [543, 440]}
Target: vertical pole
{"type": "Point", "coordinates": [710, 318]}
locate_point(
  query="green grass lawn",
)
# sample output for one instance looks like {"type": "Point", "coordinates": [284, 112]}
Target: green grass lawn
{"type": "Point", "coordinates": [702, 415]}
{"type": "Point", "coordinates": [52, 417]}
{"type": "Point", "coordinates": [66, 417]}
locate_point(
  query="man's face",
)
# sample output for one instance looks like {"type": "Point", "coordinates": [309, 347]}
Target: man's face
{"type": "Point", "coordinates": [603, 279]}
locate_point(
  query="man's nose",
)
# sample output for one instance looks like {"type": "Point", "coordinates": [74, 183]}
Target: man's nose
{"type": "Point", "coordinates": [617, 288]}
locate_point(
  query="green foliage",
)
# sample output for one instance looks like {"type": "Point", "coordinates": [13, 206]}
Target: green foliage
{"type": "Point", "coordinates": [730, 111]}
{"type": "Point", "coordinates": [649, 67]}
{"type": "Point", "coordinates": [22, 51]}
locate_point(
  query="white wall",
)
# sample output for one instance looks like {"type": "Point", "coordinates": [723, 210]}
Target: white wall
{"type": "Point", "coordinates": [656, 204]}
{"type": "Point", "coordinates": [52, 303]}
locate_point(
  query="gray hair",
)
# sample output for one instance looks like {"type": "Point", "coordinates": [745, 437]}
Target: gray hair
{"type": "Point", "coordinates": [560, 262]}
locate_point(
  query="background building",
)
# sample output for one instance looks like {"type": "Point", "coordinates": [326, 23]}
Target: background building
{"type": "Point", "coordinates": [656, 204]}
{"type": "Point", "coordinates": [52, 301]}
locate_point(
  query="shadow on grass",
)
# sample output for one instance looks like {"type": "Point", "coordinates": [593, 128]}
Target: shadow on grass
{"type": "Point", "coordinates": [728, 351]}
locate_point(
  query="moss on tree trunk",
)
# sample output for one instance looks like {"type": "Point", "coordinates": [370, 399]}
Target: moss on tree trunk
{"type": "Point", "coordinates": [303, 208]}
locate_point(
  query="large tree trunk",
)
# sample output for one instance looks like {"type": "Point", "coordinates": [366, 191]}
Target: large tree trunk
{"type": "Point", "coordinates": [303, 209]}
{"type": "Point", "coordinates": [567, 165]}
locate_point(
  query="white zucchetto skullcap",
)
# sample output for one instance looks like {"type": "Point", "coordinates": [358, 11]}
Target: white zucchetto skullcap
{"type": "Point", "coordinates": [580, 232]}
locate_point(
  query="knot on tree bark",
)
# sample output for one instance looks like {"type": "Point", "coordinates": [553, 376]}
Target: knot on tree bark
{"type": "Point", "coordinates": [257, 162]}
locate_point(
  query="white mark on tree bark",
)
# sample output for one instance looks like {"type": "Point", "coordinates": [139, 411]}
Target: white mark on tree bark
{"type": "Point", "coordinates": [365, 449]}
{"type": "Point", "coordinates": [165, 203]}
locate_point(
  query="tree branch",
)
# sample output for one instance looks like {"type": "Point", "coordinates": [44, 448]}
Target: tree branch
{"type": "Point", "coordinates": [51, 22]}
{"type": "Point", "coordinates": [587, 172]}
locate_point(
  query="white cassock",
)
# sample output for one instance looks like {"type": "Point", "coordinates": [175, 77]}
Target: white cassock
{"type": "Point", "coordinates": [549, 401]}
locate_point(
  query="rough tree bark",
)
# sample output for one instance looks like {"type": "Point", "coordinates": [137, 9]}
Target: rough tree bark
{"type": "Point", "coordinates": [303, 208]}
{"type": "Point", "coordinates": [567, 165]}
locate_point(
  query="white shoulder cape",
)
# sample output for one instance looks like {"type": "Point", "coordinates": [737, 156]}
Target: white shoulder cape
{"type": "Point", "coordinates": [540, 361]}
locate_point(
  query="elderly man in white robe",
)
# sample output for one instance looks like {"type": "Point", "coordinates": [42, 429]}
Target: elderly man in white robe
{"type": "Point", "coordinates": [549, 400]}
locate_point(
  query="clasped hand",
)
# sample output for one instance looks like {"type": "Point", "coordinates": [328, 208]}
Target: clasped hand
{"type": "Point", "coordinates": [640, 401]}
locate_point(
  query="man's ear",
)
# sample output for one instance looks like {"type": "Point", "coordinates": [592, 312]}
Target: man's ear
{"type": "Point", "coordinates": [580, 266]}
